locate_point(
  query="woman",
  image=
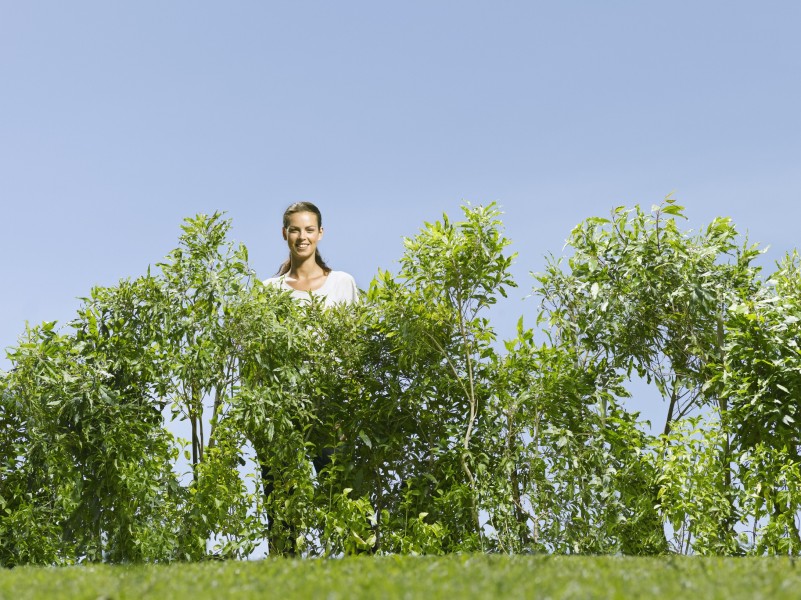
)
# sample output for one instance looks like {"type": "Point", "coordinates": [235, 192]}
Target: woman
{"type": "Point", "coordinates": [305, 273]}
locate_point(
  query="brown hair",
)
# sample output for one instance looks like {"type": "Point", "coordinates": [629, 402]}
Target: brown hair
{"type": "Point", "coordinates": [296, 208]}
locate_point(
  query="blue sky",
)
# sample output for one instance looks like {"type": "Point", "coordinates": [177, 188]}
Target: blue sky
{"type": "Point", "coordinates": [117, 120]}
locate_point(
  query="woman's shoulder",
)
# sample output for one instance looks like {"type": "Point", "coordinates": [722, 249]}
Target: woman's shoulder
{"type": "Point", "coordinates": [340, 287]}
{"type": "Point", "coordinates": [341, 276]}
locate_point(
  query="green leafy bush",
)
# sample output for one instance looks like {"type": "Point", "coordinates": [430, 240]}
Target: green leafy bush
{"type": "Point", "coordinates": [427, 435]}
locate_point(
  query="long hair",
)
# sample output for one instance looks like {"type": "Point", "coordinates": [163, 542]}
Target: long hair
{"type": "Point", "coordinates": [296, 208]}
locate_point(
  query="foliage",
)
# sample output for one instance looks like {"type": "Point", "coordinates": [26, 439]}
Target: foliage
{"type": "Point", "coordinates": [648, 297]}
{"type": "Point", "coordinates": [760, 379]}
{"type": "Point", "coordinates": [400, 424]}
{"type": "Point", "coordinates": [693, 495]}
{"type": "Point", "coordinates": [92, 475]}
{"type": "Point", "coordinates": [433, 319]}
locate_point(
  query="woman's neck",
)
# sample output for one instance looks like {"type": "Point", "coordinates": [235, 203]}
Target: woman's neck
{"type": "Point", "coordinates": [306, 276]}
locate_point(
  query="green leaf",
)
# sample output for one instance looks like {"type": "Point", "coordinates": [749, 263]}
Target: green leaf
{"type": "Point", "coordinates": [363, 437]}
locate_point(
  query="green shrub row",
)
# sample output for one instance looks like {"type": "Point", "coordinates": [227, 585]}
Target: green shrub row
{"type": "Point", "coordinates": [441, 439]}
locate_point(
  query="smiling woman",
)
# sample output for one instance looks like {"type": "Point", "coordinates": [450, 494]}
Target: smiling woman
{"type": "Point", "coordinates": [305, 273]}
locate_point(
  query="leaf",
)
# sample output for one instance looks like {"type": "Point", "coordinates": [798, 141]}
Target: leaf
{"type": "Point", "coordinates": [674, 210]}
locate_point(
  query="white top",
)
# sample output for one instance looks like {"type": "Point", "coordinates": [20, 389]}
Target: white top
{"type": "Point", "coordinates": [339, 287]}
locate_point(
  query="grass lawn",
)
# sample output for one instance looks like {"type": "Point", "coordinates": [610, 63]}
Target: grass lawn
{"type": "Point", "coordinates": [473, 576]}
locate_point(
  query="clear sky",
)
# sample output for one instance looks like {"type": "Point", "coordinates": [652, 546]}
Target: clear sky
{"type": "Point", "coordinates": [119, 119]}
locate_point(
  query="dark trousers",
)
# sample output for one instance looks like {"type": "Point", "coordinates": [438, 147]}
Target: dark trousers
{"type": "Point", "coordinates": [320, 462]}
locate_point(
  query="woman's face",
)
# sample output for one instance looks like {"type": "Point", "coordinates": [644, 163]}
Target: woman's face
{"type": "Point", "coordinates": [302, 234]}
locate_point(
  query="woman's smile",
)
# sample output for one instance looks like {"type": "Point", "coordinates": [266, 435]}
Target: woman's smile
{"type": "Point", "coordinates": [302, 233]}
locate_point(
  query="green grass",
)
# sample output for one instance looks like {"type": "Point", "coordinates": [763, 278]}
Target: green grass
{"type": "Point", "coordinates": [475, 576]}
